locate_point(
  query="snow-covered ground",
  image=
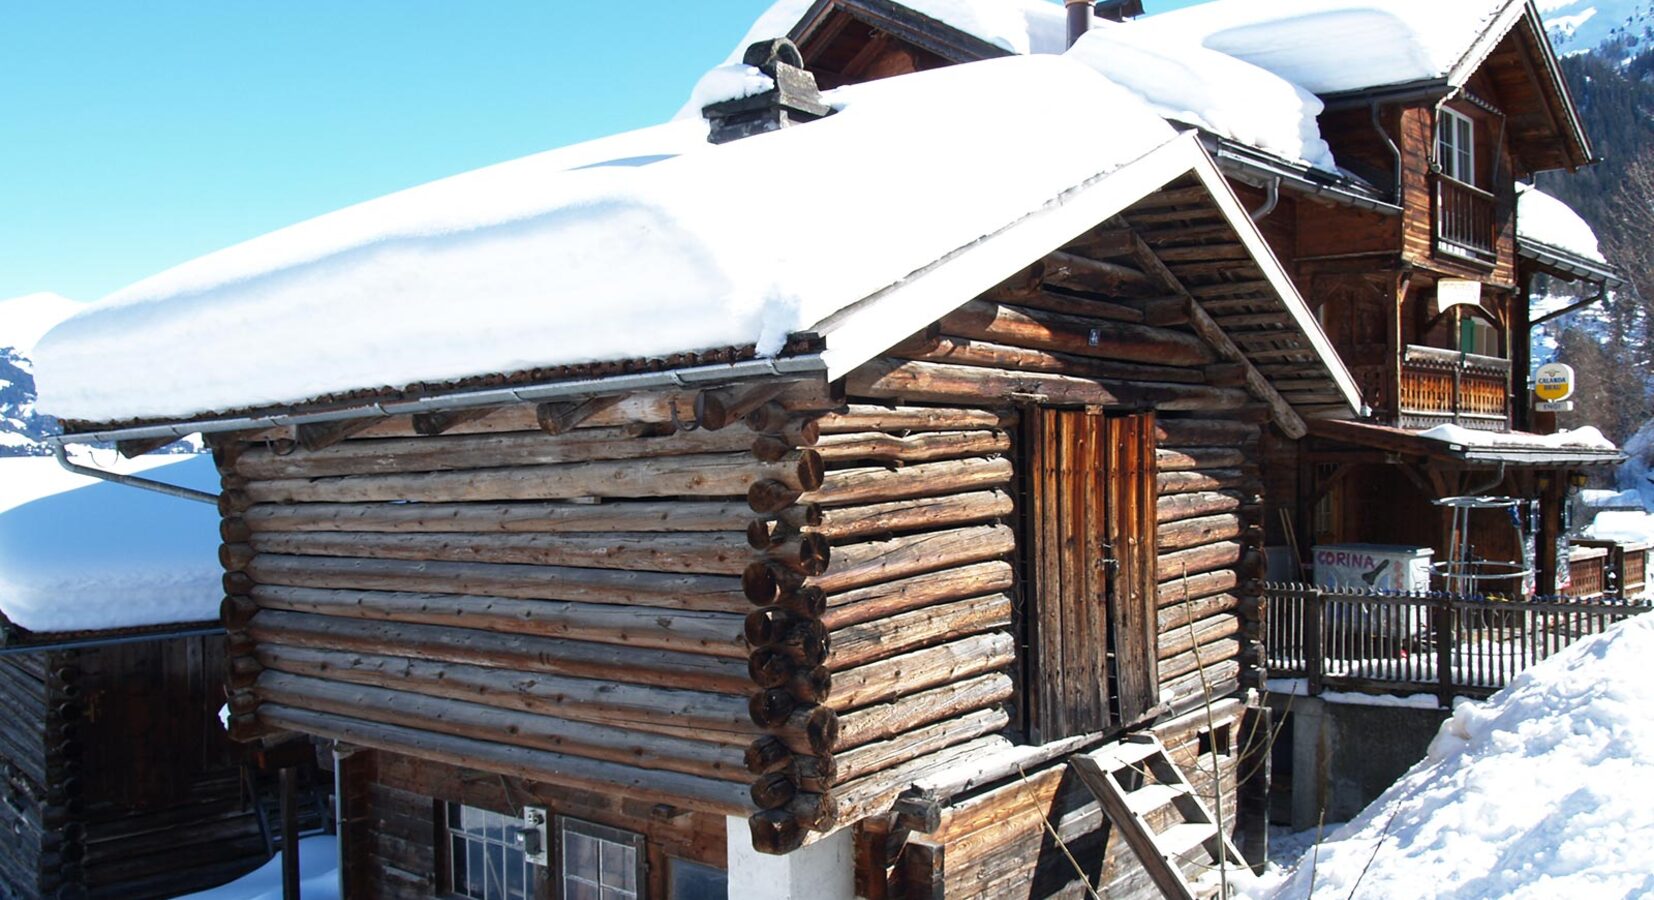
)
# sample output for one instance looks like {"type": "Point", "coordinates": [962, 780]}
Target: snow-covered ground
{"type": "Point", "coordinates": [1544, 791]}
{"type": "Point", "coordinates": [318, 874]}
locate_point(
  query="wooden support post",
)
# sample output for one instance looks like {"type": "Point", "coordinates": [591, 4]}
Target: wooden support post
{"type": "Point", "coordinates": [1315, 647]}
{"type": "Point", "coordinates": [1443, 615]}
{"type": "Point", "coordinates": [289, 834]}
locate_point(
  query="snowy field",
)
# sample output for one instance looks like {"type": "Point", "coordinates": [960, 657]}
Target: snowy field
{"type": "Point", "coordinates": [1544, 791]}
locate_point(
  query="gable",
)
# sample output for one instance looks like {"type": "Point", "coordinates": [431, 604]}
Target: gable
{"type": "Point", "coordinates": [852, 41]}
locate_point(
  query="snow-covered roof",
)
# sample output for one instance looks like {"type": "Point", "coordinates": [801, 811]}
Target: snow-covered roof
{"type": "Point", "coordinates": [1627, 526]}
{"type": "Point", "coordinates": [646, 244]}
{"type": "Point", "coordinates": [1229, 97]}
{"type": "Point", "coordinates": [1332, 46]}
{"type": "Point", "coordinates": [1546, 790]}
{"type": "Point", "coordinates": [1544, 219]}
{"type": "Point", "coordinates": [77, 554]}
{"type": "Point", "coordinates": [1586, 438]}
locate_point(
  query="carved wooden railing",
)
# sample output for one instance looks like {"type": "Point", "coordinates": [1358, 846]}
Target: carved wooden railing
{"type": "Point", "coordinates": [1588, 572]}
{"type": "Point", "coordinates": [1465, 221]}
{"type": "Point", "coordinates": [1440, 386]}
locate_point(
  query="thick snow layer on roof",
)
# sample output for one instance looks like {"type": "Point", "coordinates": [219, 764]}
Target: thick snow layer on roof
{"type": "Point", "coordinates": [24, 320]}
{"type": "Point", "coordinates": [318, 876]}
{"type": "Point", "coordinates": [1186, 82]}
{"type": "Point", "coordinates": [642, 245]}
{"type": "Point", "coordinates": [1586, 438]}
{"type": "Point", "coordinates": [1626, 526]}
{"type": "Point", "coordinates": [1546, 220]}
{"type": "Point", "coordinates": [90, 555]}
{"type": "Point", "coordinates": [1328, 46]}
{"type": "Point", "coordinates": [1546, 790]}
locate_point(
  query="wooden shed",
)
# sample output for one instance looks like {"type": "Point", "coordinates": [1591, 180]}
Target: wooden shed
{"type": "Point", "coordinates": [953, 594]}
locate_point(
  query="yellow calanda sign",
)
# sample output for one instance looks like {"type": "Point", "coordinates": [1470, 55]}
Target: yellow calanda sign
{"type": "Point", "coordinates": [1554, 382]}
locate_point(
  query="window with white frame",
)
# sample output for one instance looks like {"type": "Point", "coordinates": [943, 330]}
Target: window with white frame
{"type": "Point", "coordinates": [486, 860]}
{"type": "Point", "coordinates": [598, 862]}
{"type": "Point", "coordinates": [1456, 146]}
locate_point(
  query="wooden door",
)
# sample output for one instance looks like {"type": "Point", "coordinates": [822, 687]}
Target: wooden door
{"type": "Point", "coordinates": [1091, 560]}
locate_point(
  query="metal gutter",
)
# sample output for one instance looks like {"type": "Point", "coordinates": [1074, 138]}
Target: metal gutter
{"type": "Point", "coordinates": [1572, 263]}
{"type": "Point", "coordinates": [194, 630]}
{"type": "Point", "coordinates": [1234, 156]}
{"type": "Point", "coordinates": [696, 376]}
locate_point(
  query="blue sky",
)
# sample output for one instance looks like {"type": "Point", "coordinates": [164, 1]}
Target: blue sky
{"type": "Point", "coordinates": [135, 136]}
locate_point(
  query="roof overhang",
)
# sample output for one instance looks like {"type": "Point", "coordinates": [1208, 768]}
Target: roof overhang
{"type": "Point", "coordinates": [1567, 265]}
{"type": "Point", "coordinates": [1519, 19]}
{"type": "Point", "coordinates": [1407, 442]}
{"type": "Point", "coordinates": [863, 330]}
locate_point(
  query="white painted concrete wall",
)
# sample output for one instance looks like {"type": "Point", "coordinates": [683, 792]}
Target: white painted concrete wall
{"type": "Point", "coordinates": [824, 870]}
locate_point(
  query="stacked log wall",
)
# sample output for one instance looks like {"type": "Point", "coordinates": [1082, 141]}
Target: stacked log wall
{"type": "Point", "coordinates": [542, 592]}
{"type": "Point", "coordinates": [31, 818]}
{"type": "Point", "coordinates": [163, 807]}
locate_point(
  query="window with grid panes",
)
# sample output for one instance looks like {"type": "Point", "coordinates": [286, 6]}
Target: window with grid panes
{"type": "Point", "coordinates": [598, 862]}
{"type": "Point", "coordinates": [1456, 146]}
{"type": "Point", "coordinates": [485, 856]}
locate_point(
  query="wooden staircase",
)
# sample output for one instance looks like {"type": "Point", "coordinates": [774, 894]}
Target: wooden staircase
{"type": "Point", "coordinates": [1136, 783]}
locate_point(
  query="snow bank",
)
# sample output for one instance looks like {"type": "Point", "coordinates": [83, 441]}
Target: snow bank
{"type": "Point", "coordinates": [1587, 438]}
{"type": "Point", "coordinates": [1546, 220]}
{"type": "Point", "coordinates": [1299, 687]}
{"type": "Point", "coordinates": [1625, 526]}
{"type": "Point", "coordinates": [1546, 790]}
{"type": "Point", "coordinates": [643, 245]}
{"type": "Point", "coordinates": [89, 555]}
{"type": "Point", "coordinates": [1607, 499]}
{"type": "Point", "coordinates": [1329, 46]}
{"type": "Point", "coordinates": [24, 320]}
{"type": "Point", "coordinates": [318, 876]}
{"type": "Point", "coordinates": [1186, 82]}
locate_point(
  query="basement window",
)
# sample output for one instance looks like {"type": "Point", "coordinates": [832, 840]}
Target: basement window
{"type": "Point", "coordinates": [485, 856]}
{"type": "Point", "coordinates": [598, 862]}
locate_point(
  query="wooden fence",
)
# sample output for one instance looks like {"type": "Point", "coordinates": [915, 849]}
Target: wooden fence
{"type": "Point", "coordinates": [1446, 644]}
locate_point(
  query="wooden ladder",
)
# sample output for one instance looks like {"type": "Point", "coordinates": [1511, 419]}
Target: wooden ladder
{"type": "Point", "coordinates": [1135, 781]}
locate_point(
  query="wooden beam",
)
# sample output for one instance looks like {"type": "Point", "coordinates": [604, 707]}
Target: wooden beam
{"type": "Point", "coordinates": [321, 435]}
{"type": "Point", "coordinates": [434, 423]}
{"type": "Point", "coordinates": [560, 418]}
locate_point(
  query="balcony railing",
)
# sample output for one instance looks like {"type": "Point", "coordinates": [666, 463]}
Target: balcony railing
{"type": "Point", "coordinates": [1441, 386]}
{"type": "Point", "coordinates": [1448, 644]}
{"type": "Point", "coordinates": [1464, 221]}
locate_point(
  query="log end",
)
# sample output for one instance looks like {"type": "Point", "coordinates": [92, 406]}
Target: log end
{"type": "Point", "coordinates": [776, 832]}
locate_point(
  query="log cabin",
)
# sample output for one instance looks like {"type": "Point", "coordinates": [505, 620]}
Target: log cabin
{"type": "Point", "coordinates": [120, 781]}
{"type": "Point", "coordinates": [917, 555]}
{"type": "Point", "coordinates": [948, 587]}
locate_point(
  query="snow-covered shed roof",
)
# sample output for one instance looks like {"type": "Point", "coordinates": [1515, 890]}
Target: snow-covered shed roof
{"type": "Point", "coordinates": [1580, 447]}
{"type": "Point", "coordinates": [79, 555]}
{"type": "Point", "coordinates": [648, 245]}
{"type": "Point", "coordinates": [1549, 232]}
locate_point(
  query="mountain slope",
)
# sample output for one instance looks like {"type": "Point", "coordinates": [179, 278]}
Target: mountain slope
{"type": "Point", "coordinates": [23, 322]}
{"type": "Point", "coordinates": [1579, 26]}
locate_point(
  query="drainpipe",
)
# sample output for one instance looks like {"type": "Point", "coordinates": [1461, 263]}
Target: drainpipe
{"type": "Point", "coordinates": [60, 450]}
{"type": "Point", "coordinates": [1395, 151]}
{"type": "Point", "coordinates": [1272, 199]}
{"type": "Point", "coordinates": [1079, 19]}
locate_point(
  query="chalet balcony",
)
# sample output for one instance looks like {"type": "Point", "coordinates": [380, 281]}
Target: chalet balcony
{"type": "Point", "coordinates": [1465, 226]}
{"type": "Point", "coordinates": [1444, 386]}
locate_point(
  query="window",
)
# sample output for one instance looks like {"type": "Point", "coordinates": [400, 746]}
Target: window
{"type": "Point", "coordinates": [1456, 146]}
{"type": "Point", "coordinates": [598, 862]}
{"type": "Point", "coordinates": [695, 881]}
{"type": "Point", "coordinates": [485, 856]}
{"type": "Point", "coordinates": [1478, 336]}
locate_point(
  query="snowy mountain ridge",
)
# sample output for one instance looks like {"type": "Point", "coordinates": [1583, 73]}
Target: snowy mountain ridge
{"type": "Point", "coordinates": [1581, 26]}
{"type": "Point", "coordinates": [23, 322]}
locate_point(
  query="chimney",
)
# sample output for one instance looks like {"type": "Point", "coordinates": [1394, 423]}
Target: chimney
{"type": "Point", "coordinates": [794, 99]}
{"type": "Point", "coordinates": [1079, 19]}
{"type": "Point", "coordinates": [1119, 10]}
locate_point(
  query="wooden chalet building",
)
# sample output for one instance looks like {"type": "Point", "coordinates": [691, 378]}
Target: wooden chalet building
{"type": "Point", "coordinates": [1426, 194]}
{"type": "Point", "coordinates": [952, 589]}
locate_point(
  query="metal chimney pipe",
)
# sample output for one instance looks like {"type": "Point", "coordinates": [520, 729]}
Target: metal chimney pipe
{"type": "Point", "coordinates": [1079, 19]}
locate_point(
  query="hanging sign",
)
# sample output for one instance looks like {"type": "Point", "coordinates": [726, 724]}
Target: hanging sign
{"type": "Point", "coordinates": [1451, 292]}
{"type": "Point", "coordinates": [1554, 382]}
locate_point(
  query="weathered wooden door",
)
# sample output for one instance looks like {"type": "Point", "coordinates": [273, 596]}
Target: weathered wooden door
{"type": "Point", "coordinates": [1091, 570]}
